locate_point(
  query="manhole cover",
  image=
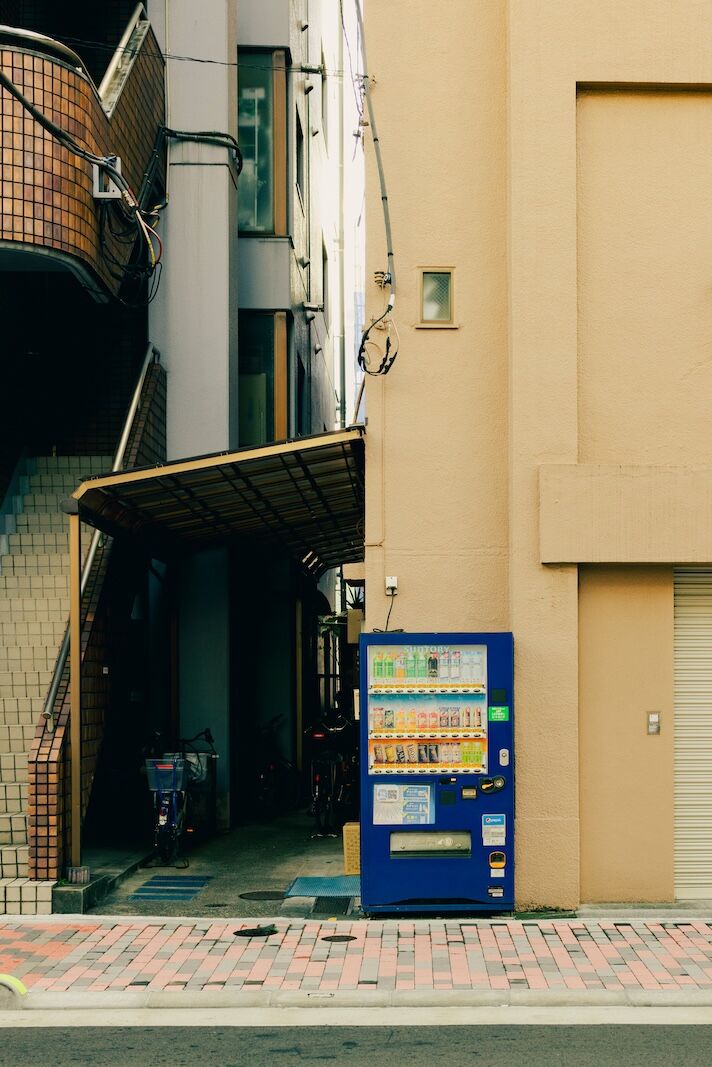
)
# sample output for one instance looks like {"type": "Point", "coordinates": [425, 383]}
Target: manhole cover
{"type": "Point", "coordinates": [263, 894]}
{"type": "Point", "coordinates": [339, 937]}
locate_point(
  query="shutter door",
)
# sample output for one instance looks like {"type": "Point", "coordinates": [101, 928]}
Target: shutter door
{"type": "Point", "coordinates": [693, 733]}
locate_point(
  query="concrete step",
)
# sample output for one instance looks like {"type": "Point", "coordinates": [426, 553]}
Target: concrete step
{"type": "Point", "coordinates": [44, 541]}
{"type": "Point", "coordinates": [42, 522]}
{"type": "Point", "coordinates": [49, 503]}
{"type": "Point", "coordinates": [14, 861]}
{"type": "Point", "coordinates": [13, 797]}
{"type": "Point", "coordinates": [26, 684]}
{"type": "Point", "coordinates": [13, 768]}
{"type": "Point", "coordinates": [55, 464]}
{"type": "Point", "coordinates": [19, 591]}
{"type": "Point", "coordinates": [16, 737]}
{"type": "Point", "coordinates": [50, 541]}
{"type": "Point", "coordinates": [29, 634]}
{"type": "Point", "coordinates": [13, 828]}
{"type": "Point", "coordinates": [25, 896]}
{"type": "Point", "coordinates": [39, 563]}
{"type": "Point", "coordinates": [26, 658]}
{"type": "Point", "coordinates": [58, 481]}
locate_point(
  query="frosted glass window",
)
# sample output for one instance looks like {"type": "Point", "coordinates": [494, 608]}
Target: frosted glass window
{"type": "Point", "coordinates": [256, 135]}
{"type": "Point", "coordinates": [437, 296]}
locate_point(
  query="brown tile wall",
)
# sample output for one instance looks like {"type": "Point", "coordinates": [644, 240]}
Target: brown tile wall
{"type": "Point", "coordinates": [49, 807]}
{"type": "Point", "coordinates": [46, 190]}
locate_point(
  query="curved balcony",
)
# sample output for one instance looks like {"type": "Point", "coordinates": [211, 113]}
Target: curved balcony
{"type": "Point", "coordinates": [50, 219]}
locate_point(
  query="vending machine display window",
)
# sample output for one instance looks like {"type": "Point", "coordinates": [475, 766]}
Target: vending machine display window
{"type": "Point", "coordinates": [427, 709]}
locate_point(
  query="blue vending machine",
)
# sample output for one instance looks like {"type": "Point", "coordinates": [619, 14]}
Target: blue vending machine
{"type": "Point", "coordinates": [437, 772]}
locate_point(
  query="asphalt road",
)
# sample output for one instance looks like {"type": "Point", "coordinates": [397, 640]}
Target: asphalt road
{"type": "Point", "coordinates": [480, 1046]}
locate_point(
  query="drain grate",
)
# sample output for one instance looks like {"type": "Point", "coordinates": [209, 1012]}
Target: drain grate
{"type": "Point", "coordinates": [165, 887]}
{"type": "Point", "coordinates": [263, 894]}
{"type": "Point", "coordinates": [344, 885]}
{"type": "Point", "coordinates": [331, 906]}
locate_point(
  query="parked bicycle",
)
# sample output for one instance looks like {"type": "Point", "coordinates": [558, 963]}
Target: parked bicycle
{"type": "Point", "coordinates": [170, 778]}
{"type": "Point", "coordinates": [277, 788]}
{"type": "Point", "coordinates": [333, 772]}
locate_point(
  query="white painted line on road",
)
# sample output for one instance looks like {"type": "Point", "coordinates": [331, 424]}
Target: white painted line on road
{"type": "Point", "coordinates": [294, 1017]}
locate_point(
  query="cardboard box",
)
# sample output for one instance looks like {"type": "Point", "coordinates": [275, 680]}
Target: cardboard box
{"type": "Point", "coordinates": [352, 848]}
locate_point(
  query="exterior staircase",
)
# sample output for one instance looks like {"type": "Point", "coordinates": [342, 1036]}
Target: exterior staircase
{"type": "Point", "coordinates": [34, 608]}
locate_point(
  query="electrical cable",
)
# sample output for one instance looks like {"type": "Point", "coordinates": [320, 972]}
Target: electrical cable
{"type": "Point", "coordinates": [129, 204]}
{"type": "Point", "coordinates": [215, 137]}
{"type": "Point", "coordinates": [145, 50]}
{"type": "Point", "coordinates": [385, 630]}
{"type": "Point", "coordinates": [389, 278]}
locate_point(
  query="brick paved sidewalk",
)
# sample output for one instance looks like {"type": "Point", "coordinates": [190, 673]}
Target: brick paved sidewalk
{"type": "Point", "coordinates": [111, 954]}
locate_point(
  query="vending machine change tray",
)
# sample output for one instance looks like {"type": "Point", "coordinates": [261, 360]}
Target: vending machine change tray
{"type": "Point", "coordinates": [412, 844]}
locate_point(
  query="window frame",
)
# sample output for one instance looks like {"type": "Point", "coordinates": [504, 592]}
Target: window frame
{"type": "Point", "coordinates": [280, 373]}
{"type": "Point", "coordinates": [436, 324]}
{"type": "Point", "coordinates": [278, 59]}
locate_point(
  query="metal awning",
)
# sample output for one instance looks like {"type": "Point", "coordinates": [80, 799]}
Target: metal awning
{"type": "Point", "coordinates": [304, 498]}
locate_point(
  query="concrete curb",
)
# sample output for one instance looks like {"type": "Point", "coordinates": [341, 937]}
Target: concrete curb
{"type": "Point", "coordinates": [226, 999]}
{"type": "Point", "coordinates": [13, 995]}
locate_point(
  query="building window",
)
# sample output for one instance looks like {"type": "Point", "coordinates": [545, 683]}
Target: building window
{"type": "Point", "coordinates": [262, 378]}
{"type": "Point", "coordinates": [436, 298]}
{"type": "Point", "coordinates": [325, 283]}
{"type": "Point", "coordinates": [300, 160]}
{"type": "Point", "coordinates": [324, 101]}
{"type": "Point", "coordinates": [261, 121]}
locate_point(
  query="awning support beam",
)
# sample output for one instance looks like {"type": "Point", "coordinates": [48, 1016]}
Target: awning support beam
{"type": "Point", "coordinates": [75, 685]}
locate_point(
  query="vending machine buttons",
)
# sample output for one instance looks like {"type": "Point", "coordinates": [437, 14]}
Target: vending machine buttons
{"type": "Point", "coordinates": [504, 757]}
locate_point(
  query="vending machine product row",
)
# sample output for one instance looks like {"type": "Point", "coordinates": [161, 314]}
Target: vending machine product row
{"type": "Point", "coordinates": [437, 772]}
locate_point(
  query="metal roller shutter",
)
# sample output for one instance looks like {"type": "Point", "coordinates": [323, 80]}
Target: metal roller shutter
{"type": "Point", "coordinates": [693, 733]}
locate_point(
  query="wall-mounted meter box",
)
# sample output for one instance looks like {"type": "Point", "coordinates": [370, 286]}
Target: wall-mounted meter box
{"type": "Point", "coordinates": [437, 772]}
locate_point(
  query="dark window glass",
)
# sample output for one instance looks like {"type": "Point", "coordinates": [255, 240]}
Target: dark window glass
{"type": "Point", "coordinates": [256, 379]}
{"type": "Point", "coordinates": [301, 173]}
{"type": "Point", "coordinates": [256, 136]}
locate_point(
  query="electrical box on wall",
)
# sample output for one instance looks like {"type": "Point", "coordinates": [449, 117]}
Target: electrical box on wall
{"type": "Point", "coordinates": [103, 186]}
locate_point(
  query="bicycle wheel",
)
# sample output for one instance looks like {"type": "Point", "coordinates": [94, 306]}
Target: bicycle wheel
{"type": "Point", "coordinates": [166, 844]}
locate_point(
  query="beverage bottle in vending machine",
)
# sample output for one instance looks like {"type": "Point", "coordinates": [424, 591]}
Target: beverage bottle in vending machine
{"type": "Point", "coordinates": [445, 663]}
{"type": "Point", "coordinates": [422, 663]}
{"type": "Point", "coordinates": [411, 664]}
{"type": "Point", "coordinates": [388, 666]}
{"type": "Point", "coordinates": [433, 663]}
{"type": "Point", "coordinates": [378, 665]}
{"type": "Point", "coordinates": [455, 663]}
{"type": "Point", "coordinates": [400, 666]}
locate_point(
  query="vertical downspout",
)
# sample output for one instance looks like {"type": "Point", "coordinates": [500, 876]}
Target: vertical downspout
{"type": "Point", "coordinates": [342, 273]}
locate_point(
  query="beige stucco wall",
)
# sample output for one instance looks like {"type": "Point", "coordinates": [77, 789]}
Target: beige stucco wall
{"type": "Point", "coordinates": [626, 671]}
{"type": "Point", "coordinates": [436, 506]}
{"type": "Point", "coordinates": [577, 216]}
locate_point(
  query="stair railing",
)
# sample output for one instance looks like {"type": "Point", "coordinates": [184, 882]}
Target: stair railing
{"type": "Point", "coordinates": [152, 356]}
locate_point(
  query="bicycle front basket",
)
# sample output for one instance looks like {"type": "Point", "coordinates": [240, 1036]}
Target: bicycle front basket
{"type": "Point", "coordinates": [166, 774]}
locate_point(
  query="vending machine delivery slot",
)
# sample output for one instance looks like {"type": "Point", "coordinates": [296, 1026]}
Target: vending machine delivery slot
{"type": "Point", "coordinates": [437, 814]}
